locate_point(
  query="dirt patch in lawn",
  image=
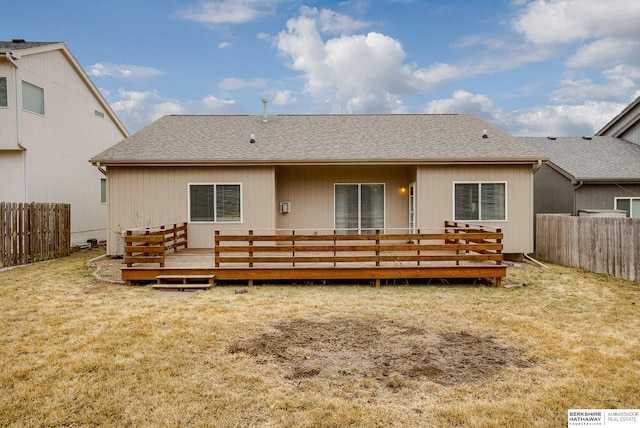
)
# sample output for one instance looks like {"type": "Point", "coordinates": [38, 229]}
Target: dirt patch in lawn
{"type": "Point", "coordinates": [391, 354]}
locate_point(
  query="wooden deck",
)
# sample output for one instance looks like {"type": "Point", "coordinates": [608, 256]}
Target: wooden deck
{"type": "Point", "coordinates": [460, 251]}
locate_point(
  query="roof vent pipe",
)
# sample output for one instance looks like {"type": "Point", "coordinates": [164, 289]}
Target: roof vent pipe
{"type": "Point", "coordinates": [264, 107]}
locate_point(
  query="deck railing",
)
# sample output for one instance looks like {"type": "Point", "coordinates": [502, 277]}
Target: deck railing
{"type": "Point", "coordinates": [457, 243]}
{"type": "Point", "coordinates": [150, 244]}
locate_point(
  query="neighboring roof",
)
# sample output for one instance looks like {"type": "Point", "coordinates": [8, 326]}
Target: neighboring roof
{"type": "Point", "coordinates": [591, 158]}
{"type": "Point", "coordinates": [19, 48]}
{"type": "Point", "coordinates": [389, 138]}
{"type": "Point", "coordinates": [621, 121]}
{"type": "Point", "coordinates": [16, 45]}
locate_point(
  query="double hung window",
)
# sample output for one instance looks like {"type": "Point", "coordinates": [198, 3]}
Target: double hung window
{"type": "Point", "coordinates": [480, 201]}
{"type": "Point", "coordinates": [215, 203]}
{"type": "Point", "coordinates": [359, 208]}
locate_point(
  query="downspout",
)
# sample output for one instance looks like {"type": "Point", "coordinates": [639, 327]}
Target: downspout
{"type": "Point", "coordinates": [537, 167]}
{"type": "Point", "coordinates": [101, 169]}
{"type": "Point", "coordinates": [18, 84]}
{"type": "Point", "coordinates": [576, 187]}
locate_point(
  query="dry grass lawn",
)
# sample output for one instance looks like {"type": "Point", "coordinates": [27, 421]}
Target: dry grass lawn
{"type": "Point", "coordinates": [76, 351]}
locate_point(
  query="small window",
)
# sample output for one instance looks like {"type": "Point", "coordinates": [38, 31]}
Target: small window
{"type": "Point", "coordinates": [99, 114]}
{"type": "Point", "coordinates": [215, 203]}
{"type": "Point", "coordinates": [3, 92]}
{"type": "Point", "coordinates": [103, 190]}
{"type": "Point", "coordinates": [480, 201]}
{"type": "Point", "coordinates": [630, 205]}
{"type": "Point", "coordinates": [32, 98]}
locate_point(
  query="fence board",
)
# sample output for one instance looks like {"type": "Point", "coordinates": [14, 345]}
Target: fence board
{"type": "Point", "coordinates": [32, 232]}
{"type": "Point", "coordinates": [608, 245]}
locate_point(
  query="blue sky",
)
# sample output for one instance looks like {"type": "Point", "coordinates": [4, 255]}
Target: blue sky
{"type": "Point", "coordinates": [544, 67]}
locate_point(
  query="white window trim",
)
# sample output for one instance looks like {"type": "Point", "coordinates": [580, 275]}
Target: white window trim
{"type": "Point", "coordinates": [359, 184]}
{"type": "Point", "coordinates": [214, 208]}
{"type": "Point", "coordinates": [44, 105]}
{"type": "Point", "coordinates": [506, 201]}
{"type": "Point", "coordinates": [630, 199]}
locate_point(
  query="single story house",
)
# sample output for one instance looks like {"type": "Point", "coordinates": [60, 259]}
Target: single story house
{"type": "Point", "coordinates": [354, 173]}
{"type": "Point", "coordinates": [587, 174]}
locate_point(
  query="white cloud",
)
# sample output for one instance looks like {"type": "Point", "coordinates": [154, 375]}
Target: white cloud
{"type": "Point", "coordinates": [462, 102]}
{"type": "Point", "coordinates": [233, 84]}
{"type": "Point", "coordinates": [121, 70]}
{"type": "Point", "coordinates": [283, 98]}
{"type": "Point", "coordinates": [333, 22]}
{"type": "Point", "coordinates": [215, 105]}
{"type": "Point", "coordinates": [353, 74]}
{"type": "Point", "coordinates": [605, 52]}
{"type": "Point", "coordinates": [561, 120]}
{"type": "Point", "coordinates": [558, 120]}
{"type": "Point", "coordinates": [223, 45]}
{"type": "Point", "coordinates": [567, 21]}
{"type": "Point", "coordinates": [227, 11]}
{"type": "Point", "coordinates": [620, 82]}
{"type": "Point", "coordinates": [138, 109]}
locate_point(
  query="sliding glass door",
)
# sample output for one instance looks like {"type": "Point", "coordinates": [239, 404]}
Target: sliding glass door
{"type": "Point", "coordinates": [359, 208]}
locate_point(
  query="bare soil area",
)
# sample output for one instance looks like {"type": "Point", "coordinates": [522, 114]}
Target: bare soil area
{"type": "Point", "coordinates": [392, 354]}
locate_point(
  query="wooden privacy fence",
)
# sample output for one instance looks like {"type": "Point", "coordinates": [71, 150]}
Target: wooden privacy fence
{"type": "Point", "coordinates": [150, 244]}
{"type": "Point", "coordinates": [33, 232]}
{"type": "Point", "coordinates": [607, 245]}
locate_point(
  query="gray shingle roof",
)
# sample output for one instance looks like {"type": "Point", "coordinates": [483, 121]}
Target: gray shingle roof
{"type": "Point", "coordinates": [594, 159]}
{"type": "Point", "coordinates": [12, 46]}
{"type": "Point", "coordinates": [319, 138]}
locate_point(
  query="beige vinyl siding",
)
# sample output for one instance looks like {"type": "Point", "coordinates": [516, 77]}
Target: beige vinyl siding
{"type": "Point", "coordinates": [8, 126]}
{"type": "Point", "coordinates": [310, 190]}
{"type": "Point", "coordinates": [59, 143]}
{"type": "Point", "coordinates": [434, 195]}
{"type": "Point", "coordinates": [11, 167]}
{"type": "Point", "coordinates": [150, 196]}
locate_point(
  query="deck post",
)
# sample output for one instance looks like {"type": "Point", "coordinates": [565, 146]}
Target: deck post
{"type": "Point", "coordinates": [186, 241]}
{"type": "Point", "coordinates": [293, 246]}
{"type": "Point", "coordinates": [216, 248]}
{"type": "Point", "coordinates": [378, 249]}
{"type": "Point", "coordinates": [251, 252]}
{"type": "Point", "coordinates": [127, 252]}
{"type": "Point", "coordinates": [377, 282]}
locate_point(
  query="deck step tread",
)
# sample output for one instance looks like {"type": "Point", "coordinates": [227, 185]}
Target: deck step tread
{"type": "Point", "coordinates": [182, 286]}
{"type": "Point", "coordinates": [188, 276]}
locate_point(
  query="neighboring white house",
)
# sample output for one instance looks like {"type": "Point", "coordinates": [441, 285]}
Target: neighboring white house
{"type": "Point", "coordinates": [52, 120]}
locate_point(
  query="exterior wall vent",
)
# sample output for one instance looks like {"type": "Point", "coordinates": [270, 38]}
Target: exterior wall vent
{"type": "Point", "coordinates": [285, 207]}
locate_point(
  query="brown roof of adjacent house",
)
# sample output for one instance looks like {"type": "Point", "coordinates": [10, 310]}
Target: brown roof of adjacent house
{"type": "Point", "coordinates": [591, 158]}
{"type": "Point", "coordinates": [385, 138]}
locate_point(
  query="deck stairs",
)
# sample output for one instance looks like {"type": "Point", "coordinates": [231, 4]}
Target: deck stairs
{"type": "Point", "coordinates": [184, 282]}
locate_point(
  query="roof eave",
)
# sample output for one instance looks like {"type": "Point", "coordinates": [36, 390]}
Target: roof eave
{"type": "Point", "coordinates": [323, 162]}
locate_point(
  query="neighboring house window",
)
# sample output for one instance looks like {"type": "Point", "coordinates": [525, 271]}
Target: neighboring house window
{"type": "Point", "coordinates": [3, 92]}
{"type": "Point", "coordinates": [480, 201]}
{"type": "Point", "coordinates": [32, 98]}
{"type": "Point", "coordinates": [630, 205]}
{"type": "Point", "coordinates": [103, 190]}
{"type": "Point", "coordinates": [359, 208]}
{"type": "Point", "coordinates": [215, 203]}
